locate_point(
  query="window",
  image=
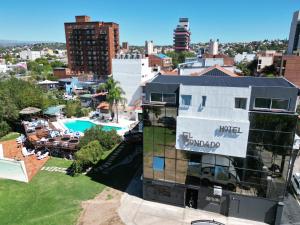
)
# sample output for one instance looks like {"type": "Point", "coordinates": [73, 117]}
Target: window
{"type": "Point", "coordinates": [160, 97]}
{"type": "Point", "coordinates": [280, 104]}
{"type": "Point", "coordinates": [240, 103]}
{"type": "Point", "coordinates": [264, 103]}
{"type": "Point", "coordinates": [203, 100]}
{"type": "Point", "coordinates": [186, 99]}
{"type": "Point", "coordinates": [158, 163]}
{"type": "Point", "coordinates": [170, 98]}
{"type": "Point", "coordinates": [156, 97]}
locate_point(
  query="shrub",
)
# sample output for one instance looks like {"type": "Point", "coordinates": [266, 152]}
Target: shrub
{"type": "Point", "coordinates": [107, 139]}
{"type": "Point", "coordinates": [87, 156]}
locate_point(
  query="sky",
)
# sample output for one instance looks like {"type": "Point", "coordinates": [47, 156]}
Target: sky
{"type": "Point", "coordinates": [140, 20]}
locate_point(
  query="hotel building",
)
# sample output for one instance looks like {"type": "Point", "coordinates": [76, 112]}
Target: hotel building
{"type": "Point", "coordinates": [219, 143]}
{"type": "Point", "coordinates": [91, 46]}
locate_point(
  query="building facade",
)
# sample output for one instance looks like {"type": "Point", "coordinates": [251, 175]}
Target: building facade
{"type": "Point", "coordinates": [149, 47]}
{"type": "Point", "coordinates": [132, 71]}
{"type": "Point", "coordinates": [91, 46]}
{"type": "Point", "coordinates": [182, 35]}
{"type": "Point", "coordinates": [266, 58]}
{"type": "Point", "coordinates": [161, 60]}
{"type": "Point", "coordinates": [213, 48]}
{"type": "Point", "coordinates": [294, 38]}
{"type": "Point", "coordinates": [289, 67]}
{"type": "Point", "coordinates": [30, 55]}
{"type": "Point", "coordinates": [220, 144]}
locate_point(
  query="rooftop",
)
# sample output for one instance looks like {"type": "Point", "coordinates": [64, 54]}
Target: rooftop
{"type": "Point", "coordinates": [224, 81]}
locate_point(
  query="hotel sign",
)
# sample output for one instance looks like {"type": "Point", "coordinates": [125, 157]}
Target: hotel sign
{"type": "Point", "coordinates": [189, 140]}
{"type": "Point", "coordinates": [230, 129]}
{"type": "Point", "coordinates": [212, 136]}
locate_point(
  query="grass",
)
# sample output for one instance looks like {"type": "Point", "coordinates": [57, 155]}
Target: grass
{"type": "Point", "coordinates": [10, 136]}
{"type": "Point", "coordinates": [50, 198]}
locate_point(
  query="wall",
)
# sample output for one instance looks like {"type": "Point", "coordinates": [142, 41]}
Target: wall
{"type": "Point", "coordinates": [13, 170]}
{"type": "Point", "coordinates": [292, 69]}
{"type": "Point", "coordinates": [131, 73]}
{"type": "Point", "coordinates": [265, 61]}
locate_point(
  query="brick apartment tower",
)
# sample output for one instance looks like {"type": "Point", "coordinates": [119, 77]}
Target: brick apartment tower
{"type": "Point", "coordinates": [182, 35]}
{"type": "Point", "coordinates": [91, 46]}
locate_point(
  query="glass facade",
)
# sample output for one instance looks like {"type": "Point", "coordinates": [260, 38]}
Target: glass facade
{"type": "Point", "coordinates": [262, 173]}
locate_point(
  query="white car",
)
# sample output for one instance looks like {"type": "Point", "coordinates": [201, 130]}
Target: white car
{"type": "Point", "coordinates": [296, 183]}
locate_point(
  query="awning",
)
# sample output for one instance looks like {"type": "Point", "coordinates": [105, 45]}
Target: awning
{"type": "Point", "coordinates": [54, 110]}
{"type": "Point", "coordinates": [103, 105]}
{"type": "Point", "coordinates": [29, 110]}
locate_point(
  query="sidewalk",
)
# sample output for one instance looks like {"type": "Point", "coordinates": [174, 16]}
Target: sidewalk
{"type": "Point", "coordinates": [136, 211]}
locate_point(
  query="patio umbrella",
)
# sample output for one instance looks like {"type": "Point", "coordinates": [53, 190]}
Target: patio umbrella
{"type": "Point", "coordinates": [29, 111]}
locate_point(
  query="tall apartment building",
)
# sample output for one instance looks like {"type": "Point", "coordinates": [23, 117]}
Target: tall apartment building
{"type": "Point", "coordinates": [294, 38]}
{"type": "Point", "coordinates": [149, 47]}
{"type": "Point", "coordinates": [213, 47]}
{"type": "Point", "coordinates": [91, 46]}
{"type": "Point", "coordinates": [182, 35]}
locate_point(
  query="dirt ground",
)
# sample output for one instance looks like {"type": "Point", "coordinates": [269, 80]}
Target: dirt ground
{"type": "Point", "coordinates": [102, 210]}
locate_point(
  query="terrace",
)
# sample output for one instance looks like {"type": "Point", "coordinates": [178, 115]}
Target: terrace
{"type": "Point", "coordinates": [12, 150]}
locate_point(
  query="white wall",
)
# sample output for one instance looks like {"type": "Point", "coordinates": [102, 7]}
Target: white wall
{"type": "Point", "coordinates": [244, 57]}
{"type": "Point", "coordinates": [13, 170]}
{"type": "Point", "coordinates": [265, 61]}
{"type": "Point", "coordinates": [203, 122]}
{"type": "Point", "coordinates": [131, 73]}
{"type": "Point", "coordinates": [30, 55]}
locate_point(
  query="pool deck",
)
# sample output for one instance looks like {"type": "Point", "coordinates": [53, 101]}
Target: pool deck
{"type": "Point", "coordinates": [12, 150]}
{"type": "Point", "coordinates": [123, 123]}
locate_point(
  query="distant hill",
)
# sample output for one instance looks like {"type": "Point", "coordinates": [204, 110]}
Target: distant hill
{"type": "Point", "coordinates": [10, 43]}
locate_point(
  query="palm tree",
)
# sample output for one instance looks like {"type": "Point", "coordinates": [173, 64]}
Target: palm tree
{"type": "Point", "coordinates": [115, 95]}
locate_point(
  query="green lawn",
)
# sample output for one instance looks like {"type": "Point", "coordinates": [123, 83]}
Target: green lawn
{"type": "Point", "coordinates": [49, 198]}
{"type": "Point", "coordinates": [10, 136]}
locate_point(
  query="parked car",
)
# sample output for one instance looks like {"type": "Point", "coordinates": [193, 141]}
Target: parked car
{"type": "Point", "coordinates": [223, 173]}
{"type": "Point", "coordinates": [296, 183]}
{"type": "Point", "coordinates": [167, 121]}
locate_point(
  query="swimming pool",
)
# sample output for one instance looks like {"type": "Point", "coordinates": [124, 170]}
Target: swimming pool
{"type": "Point", "coordinates": [82, 125]}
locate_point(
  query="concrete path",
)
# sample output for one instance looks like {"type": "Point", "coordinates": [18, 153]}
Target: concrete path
{"type": "Point", "coordinates": [55, 169]}
{"type": "Point", "coordinates": [136, 211]}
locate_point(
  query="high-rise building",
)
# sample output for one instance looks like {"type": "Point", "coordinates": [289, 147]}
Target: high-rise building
{"type": "Point", "coordinates": [213, 47]}
{"type": "Point", "coordinates": [294, 39]}
{"type": "Point", "coordinates": [125, 46]}
{"type": "Point", "coordinates": [182, 35]}
{"type": "Point", "coordinates": [91, 46]}
{"type": "Point", "coordinates": [149, 47]}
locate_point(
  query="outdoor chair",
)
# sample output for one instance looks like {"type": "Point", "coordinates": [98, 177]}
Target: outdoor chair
{"type": "Point", "coordinates": [25, 152]}
{"type": "Point", "coordinates": [43, 156]}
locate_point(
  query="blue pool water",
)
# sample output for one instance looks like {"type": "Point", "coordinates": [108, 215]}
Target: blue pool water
{"type": "Point", "coordinates": [82, 125]}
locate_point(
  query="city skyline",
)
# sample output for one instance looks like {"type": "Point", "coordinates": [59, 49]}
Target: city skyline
{"type": "Point", "coordinates": [235, 22]}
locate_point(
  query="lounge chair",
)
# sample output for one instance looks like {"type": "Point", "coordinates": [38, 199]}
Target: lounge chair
{"type": "Point", "coordinates": [25, 152]}
{"type": "Point", "coordinates": [43, 156]}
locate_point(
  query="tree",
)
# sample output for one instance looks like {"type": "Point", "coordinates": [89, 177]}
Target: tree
{"type": "Point", "coordinates": [248, 68]}
{"type": "Point", "coordinates": [179, 57]}
{"type": "Point", "coordinates": [73, 108]}
{"type": "Point", "coordinates": [56, 64]}
{"type": "Point", "coordinates": [4, 128]}
{"type": "Point", "coordinates": [107, 139]}
{"type": "Point", "coordinates": [114, 96]}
